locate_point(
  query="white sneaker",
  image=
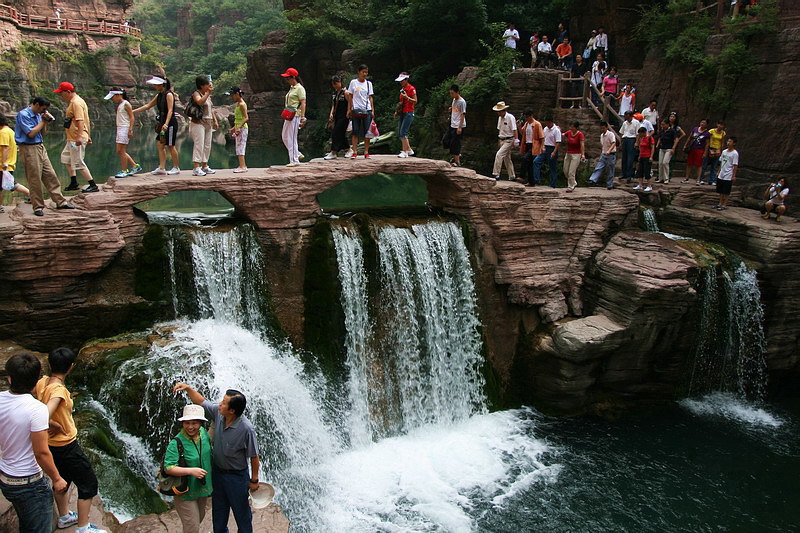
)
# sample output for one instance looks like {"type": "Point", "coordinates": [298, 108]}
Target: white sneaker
{"type": "Point", "coordinates": [348, 153]}
{"type": "Point", "coordinates": [209, 170]}
{"type": "Point", "coordinates": [648, 189]}
{"type": "Point", "coordinates": [301, 156]}
{"type": "Point", "coordinates": [239, 170]}
{"type": "Point", "coordinates": [197, 172]}
{"type": "Point", "coordinates": [90, 528]}
{"type": "Point", "coordinates": [402, 154]}
{"type": "Point", "coordinates": [330, 156]}
{"type": "Point", "coordinates": [293, 165]}
{"type": "Point", "coordinates": [409, 153]}
{"type": "Point", "coordinates": [173, 171]}
{"type": "Point", "coordinates": [159, 172]}
{"type": "Point", "coordinates": [637, 188]}
{"type": "Point", "coordinates": [69, 519]}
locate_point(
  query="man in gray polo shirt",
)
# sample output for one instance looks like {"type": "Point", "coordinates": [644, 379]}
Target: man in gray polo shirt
{"type": "Point", "coordinates": [234, 444]}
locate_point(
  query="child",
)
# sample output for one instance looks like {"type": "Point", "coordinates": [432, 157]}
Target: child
{"type": "Point", "coordinates": [125, 122]}
{"type": "Point", "coordinates": [644, 143]}
{"type": "Point", "coordinates": [729, 163]}
{"type": "Point", "coordinates": [68, 456]}
{"type": "Point", "coordinates": [239, 130]}
{"type": "Point", "coordinates": [8, 157]}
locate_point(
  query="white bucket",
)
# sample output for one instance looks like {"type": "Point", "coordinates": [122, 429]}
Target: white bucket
{"type": "Point", "coordinates": [263, 496]}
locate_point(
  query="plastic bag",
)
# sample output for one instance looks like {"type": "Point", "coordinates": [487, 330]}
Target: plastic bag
{"type": "Point", "coordinates": [8, 181]}
{"type": "Point", "coordinates": [373, 131]}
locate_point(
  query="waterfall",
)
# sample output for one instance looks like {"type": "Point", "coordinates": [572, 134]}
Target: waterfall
{"type": "Point", "coordinates": [731, 349]}
{"type": "Point", "coordinates": [417, 360]}
{"type": "Point", "coordinates": [650, 222]}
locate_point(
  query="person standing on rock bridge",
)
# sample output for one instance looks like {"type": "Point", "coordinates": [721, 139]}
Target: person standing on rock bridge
{"type": "Point", "coordinates": [294, 115]}
{"type": "Point", "coordinates": [337, 120]}
{"type": "Point", "coordinates": [608, 158]}
{"type": "Point", "coordinates": [458, 121]}
{"type": "Point", "coordinates": [166, 124]}
{"type": "Point", "coordinates": [507, 139]}
{"type": "Point", "coordinates": [29, 135]}
{"type": "Point", "coordinates": [728, 165]}
{"type": "Point", "coordinates": [125, 123]}
{"type": "Point", "coordinates": [201, 129]}
{"type": "Point", "coordinates": [360, 107]}
{"type": "Point", "coordinates": [234, 443]}
{"type": "Point", "coordinates": [240, 128]}
{"type": "Point", "coordinates": [405, 112]}
{"type": "Point", "coordinates": [76, 122]}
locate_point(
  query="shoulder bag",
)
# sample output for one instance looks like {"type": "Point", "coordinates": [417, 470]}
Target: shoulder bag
{"type": "Point", "coordinates": [192, 110]}
{"type": "Point", "coordinates": [173, 485]}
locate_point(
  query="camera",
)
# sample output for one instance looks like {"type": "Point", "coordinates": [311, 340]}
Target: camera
{"type": "Point", "coordinates": [47, 117]}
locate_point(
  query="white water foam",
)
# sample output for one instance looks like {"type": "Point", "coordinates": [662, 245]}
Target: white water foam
{"type": "Point", "coordinates": [732, 407]}
{"type": "Point", "coordinates": [436, 478]}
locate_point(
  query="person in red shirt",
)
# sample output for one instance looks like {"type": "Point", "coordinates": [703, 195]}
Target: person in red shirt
{"type": "Point", "coordinates": [564, 53]}
{"type": "Point", "coordinates": [644, 143]}
{"type": "Point", "coordinates": [405, 112]}
{"type": "Point", "coordinates": [576, 154]}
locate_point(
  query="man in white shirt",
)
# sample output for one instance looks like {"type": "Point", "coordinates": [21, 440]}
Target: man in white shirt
{"type": "Point", "coordinates": [458, 121]}
{"type": "Point", "coordinates": [546, 56]}
{"type": "Point", "coordinates": [777, 197]}
{"type": "Point", "coordinates": [628, 131]}
{"type": "Point", "coordinates": [728, 165]}
{"type": "Point", "coordinates": [651, 113]}
{"type": "Point", "coordinates": [24, 422]}
{"type": "Point", "coordinates": [608, 157]}
{"type": "Point", "coordinates": [511, 36]}
{"type": "Point", "coordinates": [601, 42]}
{"type": "Point", "coordinates": [507, 139]}
{"type": "Point", "coordinates": [552, 141]}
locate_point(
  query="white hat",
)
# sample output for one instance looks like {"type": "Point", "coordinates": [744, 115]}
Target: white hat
{"type": "Point", "coordinates": [263, 496]}
{"type": "Point", "coordinates": [501, 105]}
{"type": "Point", "coordinates": [155, 80]}
{"type": "Point", "coordinates": [110, 94]}
{"type": "Point", "coordinates": [193, 412]}
{"type": "Point", "coordinates": [402, 76]}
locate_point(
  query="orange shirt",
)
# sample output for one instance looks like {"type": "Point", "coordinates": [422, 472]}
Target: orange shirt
{"type": "Point", "coordinates": [538, 138]}
{"type": "Point", "coordinates": [62, 414]}
{"type": "Point", "coordinates": [564, 49]}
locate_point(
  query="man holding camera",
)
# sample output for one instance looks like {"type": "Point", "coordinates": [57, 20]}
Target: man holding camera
{"type": "Point", "coordinates": [29, 136]}
{"type": "Point", "coordinates": [76, 122]}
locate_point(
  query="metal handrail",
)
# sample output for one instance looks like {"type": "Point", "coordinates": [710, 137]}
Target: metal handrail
{"type": "Point", "coordinates": [39, 22]}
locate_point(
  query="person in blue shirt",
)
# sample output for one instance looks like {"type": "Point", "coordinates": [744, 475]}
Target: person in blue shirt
{"type": "Point", "coordinates": [29, 135]}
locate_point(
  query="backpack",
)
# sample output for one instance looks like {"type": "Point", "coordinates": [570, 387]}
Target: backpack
{"type": "Point", "coordinates": [172, 485]}
{"type": "Point", "coordinates": [192, 110]}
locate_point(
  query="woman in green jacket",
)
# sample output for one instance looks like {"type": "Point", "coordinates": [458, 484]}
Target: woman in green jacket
{"type": "Point", "coordinates": [191, 505]}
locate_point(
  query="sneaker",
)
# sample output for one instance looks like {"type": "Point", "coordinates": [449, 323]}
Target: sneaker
{"type": "Point", "coordinates": [637, 188]}
{"type": "Point", "coordinates": [366, 156]}
{"type": "Point", "coordinates": [648, 189]}
{"type": "Point", "coordinates": [410, 153]}
{"type": "Point", "coordinates": [658, 180]}
{"type": "Point", "coordinates": [330, 156]}
{"type": "Point", "coordinates": [766, 216]}
{"type": "Point", "coordinates": [301, 156]}
{"type": "Point", "coordinates": [159, 172]}
{"type": "Point", "coordinates": [496, 176]}
{"type": "Point", "coordinates": [239, 170]}
{"type": "Point", "coordinates": [71, 187]}
{"type": "Point", "coordinates": [173, 171]}
{"type": "Point", "coordinates": [579, 107]}
{"type": "Point", "coordinates": [402, 155]}
{"type": "Point", "coordinates": [778, 218]}
{"type": "Point", "coordinates": [90, 528]}
{"type": "Point", "coordinates": [38, 213]}
{"type": "Point", "coordinates": [198, 172]}
{"type": "Point", "coordinates": [69, 519]}
{"type": "Point", "coordinates": [293, 165]}
{"type": "Point", "coordinates": [135, 170]}
{"type": "Point", "coordinates": [90, 188]}
{"type": "Point", "coordinates": [2, 209]}
{"type": "Point", "coordinates": [209, 170]}
{"type": "Point", "coordinates": [353, 155]}
{"type": "Point", "coordinates": [572, 106]}
{"type": "Point", "coordinates": [122, 174]}
{"type": "Point", "coordinates": [348, 153]}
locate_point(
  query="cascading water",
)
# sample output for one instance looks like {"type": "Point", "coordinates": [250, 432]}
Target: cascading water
{"type": "Point", "coordinates": [412, 449]}
{"type": "Point", "coordinates": [650, 221]}
{"type": "Point", "coordinates": [731, 349]}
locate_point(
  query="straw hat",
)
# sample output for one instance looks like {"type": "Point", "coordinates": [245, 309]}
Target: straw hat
{"type": "Point", "coordinates": [193, 412]}
{"type": "Point", "coordinates": [263, 496]}
{"type": "Point", "coordinates": [501, 105]}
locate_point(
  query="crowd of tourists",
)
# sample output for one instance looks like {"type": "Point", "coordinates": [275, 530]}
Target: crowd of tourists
{"type": "Point", "coordinates": [38, 437]}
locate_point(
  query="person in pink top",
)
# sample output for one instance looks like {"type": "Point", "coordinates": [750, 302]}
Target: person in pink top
{"type": "Point", "coordinates": [576, 154]}
{"type": "Point", "coordinates": [610, 85]}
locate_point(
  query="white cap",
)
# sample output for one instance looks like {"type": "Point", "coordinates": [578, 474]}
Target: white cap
{"type": "Point", "coordinates": [193, 412]}
{"type": "Point", "coordinates": [402, 76]}
{"type": "Point", "coordinates": [110, 94]}
{"type": "Point", "coordinates": [155, 80]}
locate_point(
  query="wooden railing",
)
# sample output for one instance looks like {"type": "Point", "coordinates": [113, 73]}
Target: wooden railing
{"type": "Point", "coordinates": [604, 111]}
{"type": "Point", "coordinates": [40, 22]}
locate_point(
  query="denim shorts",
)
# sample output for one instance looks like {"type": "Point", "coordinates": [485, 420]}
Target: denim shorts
{"type": "Point", "coordinates": [33, 503]}
{"type": "Point", "coordinates": [405, 123]}
{"type": "Point", "coordinates": [361, 125]}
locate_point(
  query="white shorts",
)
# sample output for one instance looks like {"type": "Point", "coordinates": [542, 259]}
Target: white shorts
{"type": "Point", "coordinates": [122, 135]}
{"type": "Point", "coordinates": [73, 155]}
{"type": "Point", "coordinates": [241, 141]}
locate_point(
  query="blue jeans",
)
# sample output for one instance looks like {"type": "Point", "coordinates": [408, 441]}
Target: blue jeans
{"type": "Point", "coordinates": [231, 491]}
{"type": "Point", "coordinates": [405, 124]}
{"type": "Point", "coordinates": [607, 163]}
{"type": "Point", "coordinates": [628, 157]}
{"type": "Point", "coordinates": [33, 503]}
{"type": "Point", "coordinates": [712, 165]}
{"type": "Point", "coordinates": [537, 166]}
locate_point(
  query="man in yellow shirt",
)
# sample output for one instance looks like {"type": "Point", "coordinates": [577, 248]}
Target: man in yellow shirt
{"type": "Point", "coordinates": [68, 456]}
{"type": "Point", "coordinates": [76, 122]}
{"type": "Point", "coordinates": [8, 161]}
{"type": "Point", "coordinates": [715, 145]}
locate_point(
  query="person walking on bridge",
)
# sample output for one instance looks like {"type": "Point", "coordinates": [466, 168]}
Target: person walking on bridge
{"type": "Point", "coordinates": [202, 128]}
{"type": "Point", "coordinates": [166, 124]}
{"type": "Point", "coordinates": [405, 112]}
{"type": "Point", "coordinates": [125, 124]}
{"type": "Point", "coordinates": [76, 122]}
{"type": "Point", "coordinates": [507, 138]}
{"type": "Point", "coordinates": [294, 114]}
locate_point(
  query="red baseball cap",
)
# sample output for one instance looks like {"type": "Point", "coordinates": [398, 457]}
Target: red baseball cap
{"type": "Point", "coordinates": [290, 73]}
{"type": "Point", "coordinates": [65, 86]}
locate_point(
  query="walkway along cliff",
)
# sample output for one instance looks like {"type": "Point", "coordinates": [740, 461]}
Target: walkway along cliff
{"type": "Point", "coordinates": [580, 309]}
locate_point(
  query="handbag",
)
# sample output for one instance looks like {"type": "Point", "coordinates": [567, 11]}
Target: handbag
{"type": "Point", "coordinates": [192, 110]}
{"type": "Point", "coordinates": [8, 181]}
{"type": "Point", "coordinates": [173, 485]}
{"type": "Point", "coordinates": [360, 113]}
{"type": "Point", "coordinates": [587, 53]}
{"type": "Point", "coordinates": [373, 131]}
{"type": "Point", "coordinates": [288, 113]}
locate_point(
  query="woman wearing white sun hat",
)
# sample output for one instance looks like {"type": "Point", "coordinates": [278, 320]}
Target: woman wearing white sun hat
{"type": "Point", "coordinates": [167, 127]}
